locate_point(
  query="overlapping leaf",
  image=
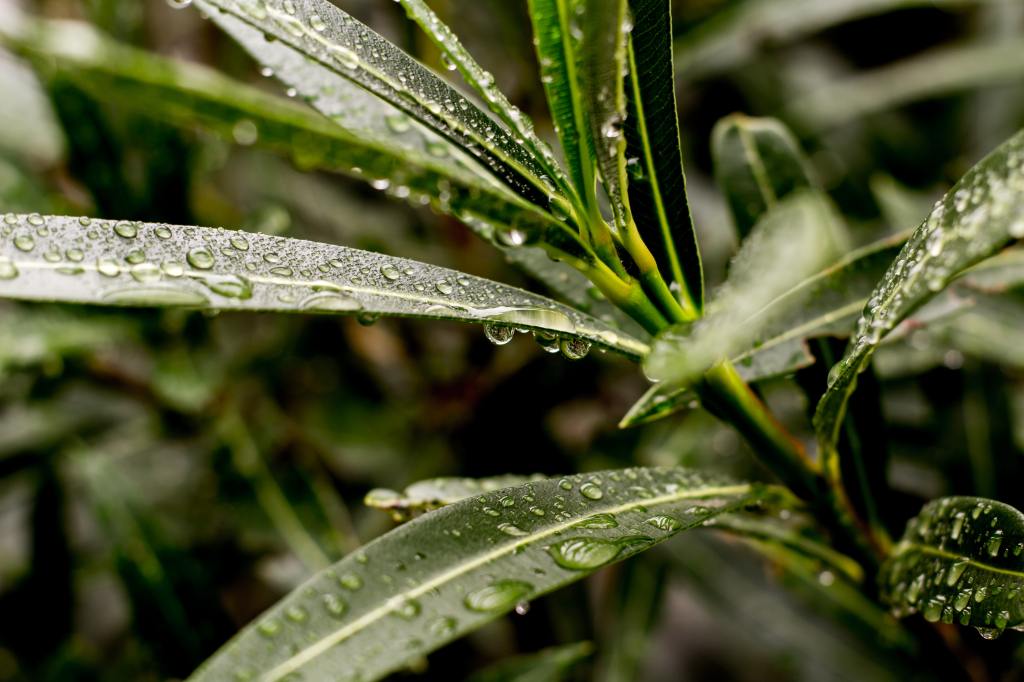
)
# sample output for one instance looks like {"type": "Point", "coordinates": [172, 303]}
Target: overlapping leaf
{"type": "Point", "coordinates": [451, 570]}
{"type": "Point", "coordinates": [960, 561]}
{"type": "Point", "coordinates": [980, 215]}
{"type": "Point", "coordinates": [657, 185]}
{"type": "Point", "coordinates": [141, 264]}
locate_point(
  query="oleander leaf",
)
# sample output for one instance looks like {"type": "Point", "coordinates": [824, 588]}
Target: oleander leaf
{"type": "Point", "coordinates": [547, 665]}
{"type": "Point", "coordinates": [124, 263]}
{"type": "Point", "coordinates": [657, 183]}
{"type": "Point", "coordinates": [482, 81]}
{"type": "Point", "coordinates": [602, 56]}
{"type": "Point", "coordinates": [938, 72]}
{"type": "Point", "coordinates": [366, 137]}
{"type": "Point", "coordinates": [757, 163]}
{"type": "Point", "coordinates": [797, 238]}
{"type": "Point", "coordinates": [823, 305]}
{"type": "Point", "coordinates": [435, 493]}
{"type": "Point", "coordinates": [960, 561]}
{"type": "Point", "coordinates": [979, 216]}
{"type": "Point", "coordinates": [324, 53]}
{"type": "Point", "coordinates": [553, 24]}
{"type": "Point", "coordinates": [456, 568]}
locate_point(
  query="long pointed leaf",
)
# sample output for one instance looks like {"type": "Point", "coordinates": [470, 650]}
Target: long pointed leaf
{"type": "Point", "coordinates": [960, 561]}
{"type": "Point", "coordinates": [657, 184]}
{"type": "Point", "coordinates": [980, 215]}
{"type": "Point", "coordinates": [337, 46]}
{"type": "Point", "coordinates": [140, 264]}
{"type": "Point", "coordinates": [451, 570]}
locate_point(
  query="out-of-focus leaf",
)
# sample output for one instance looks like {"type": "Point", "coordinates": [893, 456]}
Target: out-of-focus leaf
{"type": "Point", "coordinates": [657, 184]}
{"type": "Point", "coordinates": [800, 236]}
{"type": "Point", "coordinates": [757, 163]}
{"type": "Point", "coordinates": [143, 264]}
{"type": "Point", "coordinates": [980, 215]}
{"type": "Point", "coordinates": [900, 205]}
{"type": "Point", "coordinates": [547, 665]}
{"type": "Point", "coordinates": [960, 562]}
{"type": "Point", "coordinates": [331, 55]}
{"type": "Point", "coordinates": [28, 127]}
{"type": "Point", "coordinates": [734, 35]}
{"type": "Point", "coordinates": [367, 138]}
{"type": "Point", "coordinates": [450, 571]}
{"type": "Point", "coordinates": [424, 496]}
{"type": "Point", "coordinates": [46, 336]}
{"type": "Point", "coordinates": [939, 72]}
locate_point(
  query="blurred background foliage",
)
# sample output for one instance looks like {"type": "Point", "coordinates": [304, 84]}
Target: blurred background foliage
{"type": "Point", "coordinates": [167, 475]}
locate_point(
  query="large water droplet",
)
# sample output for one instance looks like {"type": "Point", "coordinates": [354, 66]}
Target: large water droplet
{"type": "Point", "coordinates": [499, 334]}
{"type": "Point", "coordinates": [499, 596]}
{"type": "Point", "coordinates": [591, 491]}
{"type": "Point", "coordinates": [331, 302]}
{"type": "Point", "coordinates": [155, 295]}
{"type": "Point", "coordinates": [200, 258]}
{"type": "Point", "coordinates": [7, 269]}
{"type": "Point", "coordinates": [584, 554]}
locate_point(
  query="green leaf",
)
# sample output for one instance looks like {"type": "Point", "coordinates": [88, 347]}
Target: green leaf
{"type": "Point", "coordinates": [657, 184]}
{"type": "Point", "coordinates": [757, 163]}
{"type": "Point", "coordinates": [329, 49]}
{"type": "Point", "coordinates": [553, 24]}
{"type": "Point", "coordinates": [434, 493]}
{"type": "Point", "coordinates": [482, 81]}
{"type": "Point", "coordinates": [734, 35]}
{"type": "Point", "coordinates": [548, 665]}
{"type": "Point", "coordinates": [798, 237]}
{"type": "Point", "coordinates": [980, 215]}
{"type": "Point", "coordinates": [362, 141]}
{"type": "Point", "coordinates": [449, 571]}
{"type": "Point", "coordinates": [938, 72]}
{"type": "Point", "coordinates": [142, 264]}
{"type": "Point", "coordinates": [960, 562]}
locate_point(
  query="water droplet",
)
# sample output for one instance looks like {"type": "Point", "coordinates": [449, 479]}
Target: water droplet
{"type": "Point", "coordinates": [155, 295]}
{"type": "Point", "coordinates": [511, 529]}
{"type": "Point", "coordinates": [334, 605]}
{"type": "Point", "coordinates": [591, 491]}
{"type": "Point", "coordinates": [239, 243]}
{"type": "Point", "coordinates": [444, 286]}
{"type": "Point", "coordinates": [229, 286]}
{"type": "Point", "coordinates": [443, 626]}
{"type": "Point", "coordinates": [108, 268]}
{"type": "Point", "coordinates": [147, 273]}
{"type": "Point", "coordinates": [598, 521]}
{"type": "Point", "coordinates": [407, 609]}
{"type": "Point", "coordinates": [665, 523]}
{"type": "Point", "coordinates": [390, 272]}
{"type": "Point", "coordinates": [163, 232]}
{"type": "Point", "coordinates": [498, 334]}
{"type": "Point", "coordinates": [344, 56]}
{"type": "Point", "coordinates": [331, 302]}
{"type": "Point", "coordinates": [350, 581]}
{"type": "Point", "coordinates": [522, 608]}
{"type": "Point", "coordinates": [499, 596]}
{"type": "Point", "coordinates": [200, 258]}
{"type": "Point", "coordinates": [585, 554]}
{"type": "Point", "coordinates": [8, 270]}
{"type": "Point", "coordinates": [269, 627]}
{"type": "Point", "coordinates": [24, 242]}
{"type": "Point", "coordinates": [245, 132]}
{"type": "Point", "coordinates": [126, 229]}
{"type": "Point", "coordinates": [317, 23]}
{"type": "Point", "coordinates": [296, 614]}
{"type": "Point", "coordinates": [574, 348]}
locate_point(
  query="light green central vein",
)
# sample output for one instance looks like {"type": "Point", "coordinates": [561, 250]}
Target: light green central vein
{"type": "Point", "coordinates": [934, 551]}
{"type": "Point", "coordinates": [308, 654]}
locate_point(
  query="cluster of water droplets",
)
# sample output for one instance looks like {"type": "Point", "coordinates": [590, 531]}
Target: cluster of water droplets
{"type": "Point", "coordinates": [132, 263]}
{"type": "Point", "coordinates": [511, 545]}
{"type": "Point", "coordinates": [959, 562]}
{"type": "Point", "coordinates": [983, 212]}
{"type": "Point", "coordinates": [357, 53]}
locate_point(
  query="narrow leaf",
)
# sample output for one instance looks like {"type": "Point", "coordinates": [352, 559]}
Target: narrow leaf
{"type": "Point", "coordinates": [960, 562]}
{"type": "Point", "coordinates": [938, 72]}
{"type": "Point", "coordinates": [980, 215]}
{"type": "Point", "coordinates": [368, 138]}
{"type": "Point", "coordinates": [457, 57]}
{"type": "Point", "coordinates": [554, 22]}
{"type": "Point", "coordinates": [548, 665]}
{"type": "Point", "coordinates": [337, 48]}
{"type": "Point", "coordinates": [141, 264]}
{"type": "Point", "coordinates": [449, 571]}
{"type": "Point", "coordinates": [799, 237]}
{"type": "Point", "coordinates": [657, 184]}
{"type": "Point", "coordinates": [434, 493]}
{"type": "Point", "coordinates": [757, 163]}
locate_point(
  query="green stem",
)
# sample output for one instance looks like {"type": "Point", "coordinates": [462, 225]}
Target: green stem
{"type": "Point", "coordinates": [627, 295]}
{"type": "Point", "coordinates": [729, 397]}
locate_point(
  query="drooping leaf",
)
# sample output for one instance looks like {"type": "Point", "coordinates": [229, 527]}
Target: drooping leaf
{"type": "Point", "coordinates": [800, 236]}
{"type": "Point", "coordinates": [757, 163]}
{"type": "Point", "coordinates": [451, 570]}
{"type": "Point", "coordinates": [142, 264]}
{"type": "Point", "coordinates": [435, 493]}
{"type": "Point", "coordinates": [657, 184]}
{"type": "Point", "coordinates": [335, 49]}
{"type": "Point", "coordinates": [548, 665]}
{"type": "Point", "coordinates": [980, 215]}
{"type": "Point", "coordinates": [960, 562]}
{"type": "Point", "coordinates": [734, 35]}
{"type": "Point", "coordinates": [941, 71]}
